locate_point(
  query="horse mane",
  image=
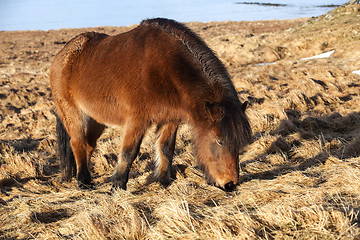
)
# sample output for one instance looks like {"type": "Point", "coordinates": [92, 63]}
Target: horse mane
{"type": "Point", "coordinates": [236, 129]}
{"type": "Point", "coordinates": [211, 66]}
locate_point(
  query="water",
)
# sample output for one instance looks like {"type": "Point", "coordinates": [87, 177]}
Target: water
{"type": "Point", "coordinates": [56, 14]}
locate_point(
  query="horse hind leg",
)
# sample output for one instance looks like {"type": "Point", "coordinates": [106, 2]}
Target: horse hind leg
{"type": "Point", "coordinates": [164, 152]}
{"type": "Point", "coordinates": [83, 133]}
{"type": "Point", "coordinates": [74, 123]}
{"type": "Point", "coordinates": [83, 147]}
{"type": "Point", "coordinates": [134, 133]}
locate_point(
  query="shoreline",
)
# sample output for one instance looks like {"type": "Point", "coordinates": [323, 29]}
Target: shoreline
{"type": "Point", "coordinates": [301, 19]}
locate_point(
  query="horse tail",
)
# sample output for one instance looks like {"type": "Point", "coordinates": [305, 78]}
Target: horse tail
{"type": "Point", "coordinates": [67, 159]}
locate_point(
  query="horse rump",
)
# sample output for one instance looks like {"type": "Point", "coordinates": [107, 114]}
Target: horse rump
{"type": "Point", "coordinates": [67, 159]}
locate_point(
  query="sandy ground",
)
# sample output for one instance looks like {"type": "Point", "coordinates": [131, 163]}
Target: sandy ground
{"type": "Point", "coordinates": [300, 177]}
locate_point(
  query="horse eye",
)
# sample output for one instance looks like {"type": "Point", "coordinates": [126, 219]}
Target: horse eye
{"type": "Point", "coordinates": [219, 142]}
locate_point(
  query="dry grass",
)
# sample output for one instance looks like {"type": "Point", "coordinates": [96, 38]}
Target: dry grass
{"type": "Point", "coordinates": [300, 177]}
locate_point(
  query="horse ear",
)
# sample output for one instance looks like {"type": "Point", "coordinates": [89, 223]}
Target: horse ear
{"type": "Point", "coordinates": [244, 105]}
{"type": "Point", "coordinates": [214, 111]}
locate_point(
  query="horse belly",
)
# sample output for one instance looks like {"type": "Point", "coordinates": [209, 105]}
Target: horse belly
{"type": "Point", "coordinates": [104, 112]}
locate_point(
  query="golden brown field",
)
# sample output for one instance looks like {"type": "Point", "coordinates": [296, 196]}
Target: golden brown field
{"type": "Point", "coordinates": [300, 177]}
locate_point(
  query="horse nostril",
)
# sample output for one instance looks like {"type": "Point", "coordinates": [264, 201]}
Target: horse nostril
{"type": "Point", "coordinates": [230, 186]}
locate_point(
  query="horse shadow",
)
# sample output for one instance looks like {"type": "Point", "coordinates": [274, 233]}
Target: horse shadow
{"type": "Point", "coordinates": [21, 145]}
{"type": "Point", "coordinates": [343, 130]}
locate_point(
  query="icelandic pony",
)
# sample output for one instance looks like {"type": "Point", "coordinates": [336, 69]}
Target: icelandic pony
{"type": "Point", "coordinates": [160, 73]}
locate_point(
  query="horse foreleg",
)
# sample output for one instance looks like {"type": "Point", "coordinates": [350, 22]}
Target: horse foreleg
{"type": "Point", "coordinates": [130, 149]}
{"type": "Point", "coordinates": [164, 150]}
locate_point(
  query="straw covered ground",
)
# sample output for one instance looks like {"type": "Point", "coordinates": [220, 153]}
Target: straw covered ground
{"type": "Point", "coordinates": [300, 176]}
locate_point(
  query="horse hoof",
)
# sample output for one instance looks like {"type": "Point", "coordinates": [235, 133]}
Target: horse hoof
{"type": "Point", "coordinates": [165, 181]}
{"type": "Point", "coordinates": [118, 184]}
{"type": "Point", "coordinates": [228, 187]}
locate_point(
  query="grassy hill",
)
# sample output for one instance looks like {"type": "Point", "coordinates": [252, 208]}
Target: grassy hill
{"type": "Point", "coordinates": [300, 177]}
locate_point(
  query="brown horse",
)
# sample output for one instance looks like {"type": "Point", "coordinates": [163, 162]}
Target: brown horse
{"type": "Point", "coordinates": [158, 73]}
